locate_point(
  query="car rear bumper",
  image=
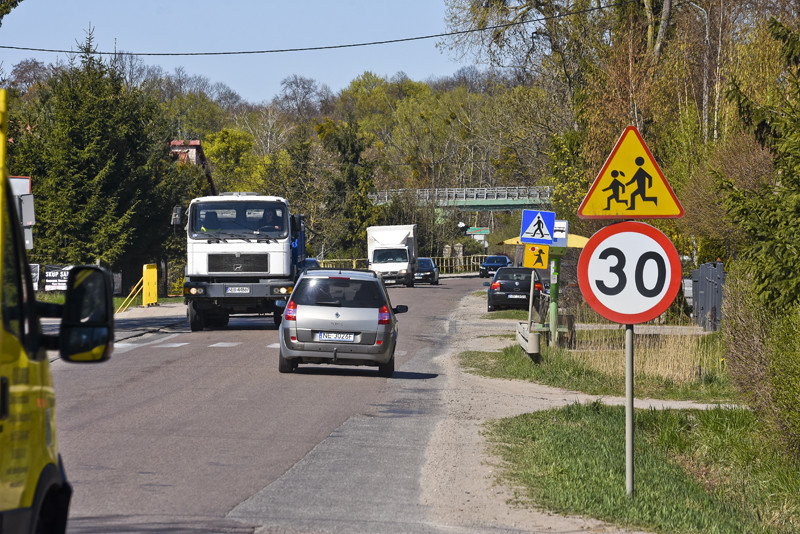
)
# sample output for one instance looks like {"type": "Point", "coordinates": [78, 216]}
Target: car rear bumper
{"type": "Point", "coordinates": [337, 352]}
{"type": "Point", "coordinates": [510, 300]}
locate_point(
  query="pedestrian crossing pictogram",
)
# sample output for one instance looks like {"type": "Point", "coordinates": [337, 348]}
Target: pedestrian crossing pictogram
{"type": "Point", "coordinates": [630, 185]}
{"type": "Point", "coordinates": [537, 227]}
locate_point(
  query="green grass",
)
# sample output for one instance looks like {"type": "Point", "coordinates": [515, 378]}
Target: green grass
{"type": "Point", "coordinates": [558, 368]}
{"type": "Point", "coordinates": [694, 471]}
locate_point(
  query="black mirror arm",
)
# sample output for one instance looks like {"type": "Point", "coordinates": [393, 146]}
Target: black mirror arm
{"type": "Point", "coordinates": [48, 309]}
{"type": "Point", "coordinates": [50, 342]}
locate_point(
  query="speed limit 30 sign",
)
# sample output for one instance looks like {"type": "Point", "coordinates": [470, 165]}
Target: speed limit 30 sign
{"type": "Point", "coordinates": [629, 272]}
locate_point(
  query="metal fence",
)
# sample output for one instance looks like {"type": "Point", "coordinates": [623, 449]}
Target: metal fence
{"type": "Point", "coordinates": [465, 194]}
{"type": "Point", "coordinates": [707, 283]}
{"type": "Point", "coordinates": [451, 265]}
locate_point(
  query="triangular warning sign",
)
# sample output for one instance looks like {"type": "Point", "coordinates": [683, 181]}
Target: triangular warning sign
{"type": "Point", "coordinates": [630, 185]}
{"type": "Point", "coordinates": [537, 229]}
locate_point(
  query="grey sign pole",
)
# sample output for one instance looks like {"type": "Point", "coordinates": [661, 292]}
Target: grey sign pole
{"type": "Point", "coordinates": [629, 409]}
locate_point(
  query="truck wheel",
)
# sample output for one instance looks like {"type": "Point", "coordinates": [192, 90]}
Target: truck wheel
{"type": "Point", "coordinates": [196, 319]}
{"type": "Point", "coordinates": [277, 316]}
{"type": "Point", "coordinates": [410, 282]}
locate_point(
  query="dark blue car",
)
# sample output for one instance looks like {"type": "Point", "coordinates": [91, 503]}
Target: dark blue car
{"type": "Point", "coordinates": [491, 264]}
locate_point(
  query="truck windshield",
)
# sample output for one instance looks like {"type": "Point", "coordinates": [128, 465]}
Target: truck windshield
{"type": "Point", "coordinates": [239, 219]}
{"type": "Point", "coordinates": [389, 255]}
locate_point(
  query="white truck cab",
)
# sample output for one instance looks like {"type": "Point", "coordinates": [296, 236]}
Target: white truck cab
{"type": "Point", "coordinates": [243, 252]}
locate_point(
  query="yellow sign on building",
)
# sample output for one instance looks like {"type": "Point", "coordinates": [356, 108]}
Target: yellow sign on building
{"type": "Point", "coordinates": [630, 185]}
{"type": "Point", "coordinates": [536, 256]}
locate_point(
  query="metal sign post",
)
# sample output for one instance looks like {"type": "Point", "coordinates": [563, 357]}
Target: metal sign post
{"type": "Point", "coordinates": [629, 409]}
{"type": "Point", "coordinates": [629, 273]}
{"type": "Point", "coordinates": [555, 267]}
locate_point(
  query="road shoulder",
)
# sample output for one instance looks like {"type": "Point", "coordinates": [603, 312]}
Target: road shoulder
{"type": "Point", "coordinates": [459, 477]}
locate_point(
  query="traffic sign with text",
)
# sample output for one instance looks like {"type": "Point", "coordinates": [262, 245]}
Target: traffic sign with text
{"type": "Point", "coordinates": [629, 272]}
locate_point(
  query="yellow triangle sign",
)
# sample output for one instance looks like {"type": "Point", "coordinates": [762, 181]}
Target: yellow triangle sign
{"type": "Point", "coordinates": [631, 185]}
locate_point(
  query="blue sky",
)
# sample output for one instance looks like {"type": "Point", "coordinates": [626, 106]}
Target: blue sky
{"type": "Point", "coordinates": [156, 26]}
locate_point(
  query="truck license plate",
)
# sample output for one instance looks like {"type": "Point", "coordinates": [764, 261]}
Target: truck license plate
{"type": "Point", "coordinates": [237, 289]}
{"type": "Point", "coordinates": [336, 336]}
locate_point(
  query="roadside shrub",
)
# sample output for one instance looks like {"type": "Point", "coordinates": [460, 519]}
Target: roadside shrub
{"type": "Point", "coordinates": [763, 356]}
{"type": "Point", "coordinates": [745, 329]}
{"type": "Point", "coordinates": [784, 375]}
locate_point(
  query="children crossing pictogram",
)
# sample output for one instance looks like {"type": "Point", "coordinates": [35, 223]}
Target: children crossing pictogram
{"type": "Point", "coordinates": [536, 256]}
{"type": "Point", "coordinates": [646, 194]}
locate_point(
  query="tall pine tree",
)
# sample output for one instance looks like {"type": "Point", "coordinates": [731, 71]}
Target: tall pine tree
{"type": "Point", "coordinates": [102, 178]}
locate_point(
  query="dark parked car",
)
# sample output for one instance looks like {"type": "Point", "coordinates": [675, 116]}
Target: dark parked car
{"type": "Point", "coordinates": [427, 271]}
{"type": "Point", "coordinates": [491, 264]}
{"type": "Point", "coordinates": [309, 263]}
{"type": "Point", "coordinates": [511, 288]}
{"type": "Point", "coordinates": [339, 317]}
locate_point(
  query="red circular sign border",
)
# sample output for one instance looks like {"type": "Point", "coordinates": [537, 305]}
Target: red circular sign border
{"type": "Point", "coordinates": [640, 228]}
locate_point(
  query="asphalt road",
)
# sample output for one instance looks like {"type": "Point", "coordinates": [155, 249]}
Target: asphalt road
{"type": "Point", "coordinates": [197, 432]}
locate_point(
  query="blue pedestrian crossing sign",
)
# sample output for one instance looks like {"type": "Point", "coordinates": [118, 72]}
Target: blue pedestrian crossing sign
{"type": "Point", "coordinates": [537, 227]}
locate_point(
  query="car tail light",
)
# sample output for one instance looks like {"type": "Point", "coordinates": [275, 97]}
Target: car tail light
{"type": "Point", "coordinates": [384, 317]}
{"type": "Point", "coordinates": [291, 311]}
{"type": "Point", "coordinates": [495, 286]}
{"type": "Point", "coordinates": [538, 286]}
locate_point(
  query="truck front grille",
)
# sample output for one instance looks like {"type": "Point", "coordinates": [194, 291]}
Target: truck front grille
{"type": "Point", "coordinates": [238, 263]}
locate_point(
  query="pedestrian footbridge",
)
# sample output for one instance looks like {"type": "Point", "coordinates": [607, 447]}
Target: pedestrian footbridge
{"type": "Point", "coordinates": [474, 198]}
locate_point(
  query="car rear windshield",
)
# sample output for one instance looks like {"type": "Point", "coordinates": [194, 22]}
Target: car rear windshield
{"type": "Point", "coordinates": [514, 274]}
{"type": "Point", "coordinates": [342, 292]}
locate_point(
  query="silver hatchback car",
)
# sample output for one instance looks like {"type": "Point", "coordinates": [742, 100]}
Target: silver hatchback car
{"type": "Point", "coordinates": [339, 317]}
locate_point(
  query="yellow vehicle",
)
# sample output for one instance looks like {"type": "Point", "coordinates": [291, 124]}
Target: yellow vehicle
{"type": "Point", "coordinates": [34, 491]}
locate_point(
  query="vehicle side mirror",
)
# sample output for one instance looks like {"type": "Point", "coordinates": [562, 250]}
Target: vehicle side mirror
{"type": "Point", "coordinates": [486, 284]}
{"type": "Point", "coordinates": [87, 326]}
{"type": "Point", "coordinates": [402, 308]}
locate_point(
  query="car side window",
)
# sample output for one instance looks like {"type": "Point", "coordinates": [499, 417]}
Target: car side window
{"type": "Point", "coordinates": [16, 300]}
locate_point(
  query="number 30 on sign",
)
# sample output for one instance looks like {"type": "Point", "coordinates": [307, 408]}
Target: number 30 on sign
{"type": "Point", "coordinates": [629, 272]}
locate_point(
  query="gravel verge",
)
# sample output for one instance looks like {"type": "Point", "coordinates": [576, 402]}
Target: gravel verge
{"type": "Point", "coordinates": [459, 480]}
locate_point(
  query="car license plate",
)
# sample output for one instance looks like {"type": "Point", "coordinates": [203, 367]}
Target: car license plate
{"type": "Point", "coordinates": [517, 296]}
{"type": "Point", "coordinates": [237, 289]}
{"type": "Point", "coordinates": [347, 337]}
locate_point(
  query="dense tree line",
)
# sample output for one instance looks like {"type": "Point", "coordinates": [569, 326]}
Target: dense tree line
{"type": "Point", "coordinates": [712, 87]}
